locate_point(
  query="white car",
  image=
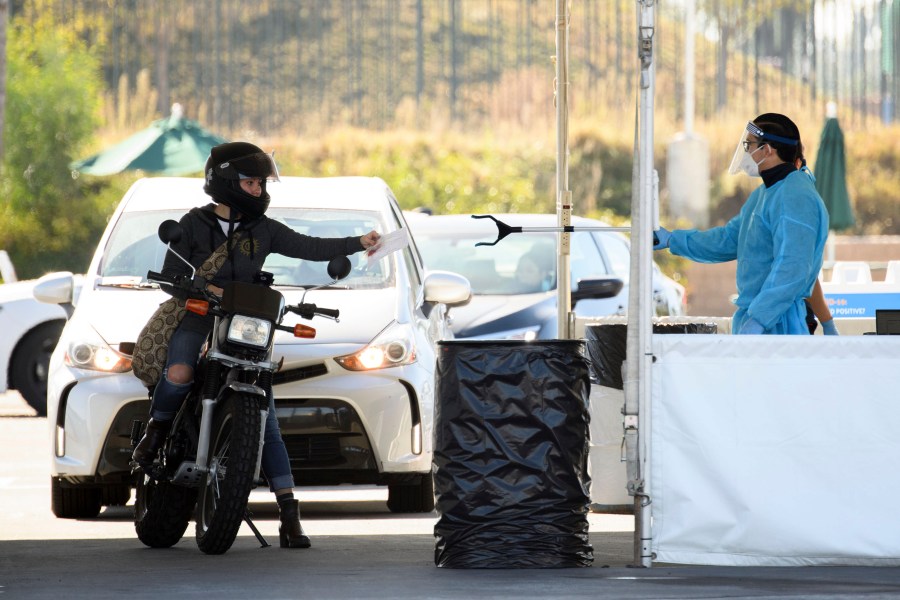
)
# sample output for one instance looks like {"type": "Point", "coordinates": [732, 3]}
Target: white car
{"type": "Point", "coordinates": [30, 331]}
{"type": "Point", "coordinates": [362, 421]}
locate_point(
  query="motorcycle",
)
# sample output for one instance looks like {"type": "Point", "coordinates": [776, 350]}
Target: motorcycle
{"type": "Point", "coordinates": [212, 456]}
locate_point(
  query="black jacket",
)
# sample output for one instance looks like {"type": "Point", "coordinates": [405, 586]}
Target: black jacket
{"type": "Point", "coordinates": [256, 239]}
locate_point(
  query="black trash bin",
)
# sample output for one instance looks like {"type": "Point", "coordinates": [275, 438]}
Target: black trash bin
{"type": "Point", "coordinates": [606, 344]}
{"type": "Point", "coordinates": [510, 455]}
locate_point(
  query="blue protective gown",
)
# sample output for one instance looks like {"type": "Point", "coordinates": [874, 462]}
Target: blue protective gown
{"type": "Point", "coordinates": [777, 239]}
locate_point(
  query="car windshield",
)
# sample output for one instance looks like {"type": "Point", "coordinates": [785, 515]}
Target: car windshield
{"type": "Point", "coordinates": [134, 248]}
{"type": "Point", "coordinates": [520, 264]}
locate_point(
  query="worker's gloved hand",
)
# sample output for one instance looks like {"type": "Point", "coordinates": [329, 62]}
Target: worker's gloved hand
{"type": "Point", "coordinates": [752, 327]}
{"type": "Point", "coordinates": [661, 238]}
{"type": "Point", "coordinates": [829, 328]}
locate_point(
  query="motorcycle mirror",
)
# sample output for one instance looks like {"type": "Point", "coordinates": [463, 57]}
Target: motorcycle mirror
{"type": "Point", "coordinates": [339, 267]}
{"type": "Point", "coordinates": [169, 232]}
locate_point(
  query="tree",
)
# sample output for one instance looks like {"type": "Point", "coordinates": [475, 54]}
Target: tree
{"type": "Point", "coordinates": [4, 17]}
{"type": "Point", "coordinates": [48, 220]}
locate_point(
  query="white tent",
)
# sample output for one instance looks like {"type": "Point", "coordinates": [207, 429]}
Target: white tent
{"type": "Point", "coordinates": [743, 450]}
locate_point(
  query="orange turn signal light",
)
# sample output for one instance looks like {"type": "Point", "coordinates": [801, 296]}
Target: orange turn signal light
{"type": "Point", "coordinates": [304, 331]}
{"type": "Point", "coordinates": [201, 307]}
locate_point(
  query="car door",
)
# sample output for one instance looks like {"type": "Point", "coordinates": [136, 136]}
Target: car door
{"type": "Point", "coordinates": [618, 252]}
{"type": "Point", "coordinates": [431, 320]}
{"type": "Point", "coordinates": [588, 260]}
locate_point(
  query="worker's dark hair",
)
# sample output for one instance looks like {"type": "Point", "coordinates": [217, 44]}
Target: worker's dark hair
{"type": "Point", "coordinates": [781, 134]}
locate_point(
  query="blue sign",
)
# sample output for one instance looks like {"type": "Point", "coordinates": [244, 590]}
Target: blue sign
{"type": "Point", "coordinates": [860, 306]}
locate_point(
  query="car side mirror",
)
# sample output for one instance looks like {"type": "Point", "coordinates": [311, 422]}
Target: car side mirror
{"type": "Point", "coordinates": [56, 288]}
{"type": "Point", "coordinates": [597, 289]}
{"type": "Point", "coordinates": [446, 287]}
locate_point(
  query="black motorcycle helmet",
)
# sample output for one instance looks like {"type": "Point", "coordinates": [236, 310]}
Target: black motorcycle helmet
{"type": "Point", "coordinates": [227, 164]}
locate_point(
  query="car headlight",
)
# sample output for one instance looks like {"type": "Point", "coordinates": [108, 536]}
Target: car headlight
{"type": "Point", "coordinates": [524, 333]}
{"type": "Point", "coordinates": [85, 349]}
{"type": "Point", "coordinates": [249, 331]}
{"type": "Point", "coordinates": [392, 347]}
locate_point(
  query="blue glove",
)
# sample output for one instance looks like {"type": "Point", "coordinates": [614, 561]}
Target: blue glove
{"type": "Point", "coordinates": [752, 327]}
{"type": "Point", "coordinates": [829, 328]}
{"type": "Point", "coordinates": [661, 238]}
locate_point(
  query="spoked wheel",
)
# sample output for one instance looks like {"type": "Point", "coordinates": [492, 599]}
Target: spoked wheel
{"type": "Point", "coordinates": [234, 449]}
{"type": "Point", "coordinates": [162, 511]}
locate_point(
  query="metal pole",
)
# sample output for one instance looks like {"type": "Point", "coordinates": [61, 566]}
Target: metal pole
{"type": "Point", "coordinates": [640, 327]}
{"type": "Point", "coordinates": [563, 195]}
{"type": "Point", "coordinates": [689, 63]}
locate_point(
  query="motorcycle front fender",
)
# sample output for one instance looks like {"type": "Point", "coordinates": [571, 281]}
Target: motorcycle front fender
{"type": "Point", "coordinates": [247, 388]}
{"type": "Point", "coordinates": [263, 400]}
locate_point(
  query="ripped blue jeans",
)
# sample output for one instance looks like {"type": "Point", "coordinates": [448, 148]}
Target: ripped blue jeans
{"type": "Point", "coordinates": [184, 348]}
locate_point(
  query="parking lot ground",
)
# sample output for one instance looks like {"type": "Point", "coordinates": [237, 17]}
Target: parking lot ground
{"type": "Point", "coordinates": [360, 550]}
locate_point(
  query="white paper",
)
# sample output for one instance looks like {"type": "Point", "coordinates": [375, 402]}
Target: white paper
{"type": "Point", "coordinates": [391, 242]}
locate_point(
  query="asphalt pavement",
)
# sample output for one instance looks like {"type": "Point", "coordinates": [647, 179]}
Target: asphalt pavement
{"type": "Point", "coordinates": [360, 550]}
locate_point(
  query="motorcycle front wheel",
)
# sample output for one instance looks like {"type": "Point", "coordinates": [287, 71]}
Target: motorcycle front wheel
{"type": "Point", "coordinates": [162, 511]}
{"type": "Point", "coordinates": [234, 449]}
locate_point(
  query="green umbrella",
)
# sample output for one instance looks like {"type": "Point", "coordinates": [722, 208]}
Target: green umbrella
{"type": "Point", "coordinates": [831, 176]}
{"type": "Point", "coordinates": [172, 146]}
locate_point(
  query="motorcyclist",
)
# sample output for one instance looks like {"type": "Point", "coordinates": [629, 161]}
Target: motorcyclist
{"type": "Point", "coordinates": [236, 175]}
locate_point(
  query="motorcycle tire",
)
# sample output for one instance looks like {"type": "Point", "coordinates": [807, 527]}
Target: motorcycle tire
{"type": "Point", "coordinates": [162, 511]}
{"type": "Point", "coordinates": [234, 450]}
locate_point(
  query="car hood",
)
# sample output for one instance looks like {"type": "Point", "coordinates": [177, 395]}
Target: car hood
{"type": "Point", "coordinates": [118, 315]}
{"type": "Point", "coordinates": [484, 309]}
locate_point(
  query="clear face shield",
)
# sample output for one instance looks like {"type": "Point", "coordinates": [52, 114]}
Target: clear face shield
{"type": "Point", "coordinates": [743, 159]}
{"type": "Point", "coordinates": [259, 164]}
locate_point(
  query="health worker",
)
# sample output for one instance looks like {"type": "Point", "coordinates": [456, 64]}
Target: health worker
{"type": "Point", "coordinates": [778, 237]}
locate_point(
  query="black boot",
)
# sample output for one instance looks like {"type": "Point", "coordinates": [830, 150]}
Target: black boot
{"type": "Point", "coordinates": [290, 533]}
{"type": "Point", "coordinates": [147, 449]}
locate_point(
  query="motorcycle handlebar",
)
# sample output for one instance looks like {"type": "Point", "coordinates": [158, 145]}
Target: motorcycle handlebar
{"type": "Point", "coordinates": [328, 312]}
{"type": "Point", "coordinates": [160, 278]}
{"type": "Point", "coordinates": [308, 311]}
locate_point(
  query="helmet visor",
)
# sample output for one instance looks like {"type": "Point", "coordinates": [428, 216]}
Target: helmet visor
{"type": "Point", "coordinates": [751, 139]}
{"type": "Point", "coordinates": [259, 164]}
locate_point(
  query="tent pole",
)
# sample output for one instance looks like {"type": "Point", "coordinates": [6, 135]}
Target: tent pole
{"type": "Point", "coordinates": [563, 195]}
{"type": "Point", "coordinates": [640, 327]}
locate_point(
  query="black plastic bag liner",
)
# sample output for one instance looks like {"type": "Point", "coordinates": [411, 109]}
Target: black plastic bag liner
{"type": "Point", "coordinates": [510, 455]}
{"type": "Point", "coordinates": [606, 347]}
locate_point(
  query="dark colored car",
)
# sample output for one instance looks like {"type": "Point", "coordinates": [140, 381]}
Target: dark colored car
{"type": "Point", "coordinates": [514, 282]}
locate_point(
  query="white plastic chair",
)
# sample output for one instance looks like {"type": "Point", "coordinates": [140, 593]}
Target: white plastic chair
{"type": "Point", "coordinates": [892, 274]}
{"type": "Point", "coordinates": [851, 272]}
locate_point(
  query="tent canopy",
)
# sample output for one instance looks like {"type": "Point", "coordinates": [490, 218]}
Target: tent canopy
{"type": "Point", "coordinates": [172, 146]}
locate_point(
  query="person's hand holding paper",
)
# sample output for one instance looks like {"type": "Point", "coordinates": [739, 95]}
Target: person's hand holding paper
{"type": "Point", "coordinates": [391, 242]}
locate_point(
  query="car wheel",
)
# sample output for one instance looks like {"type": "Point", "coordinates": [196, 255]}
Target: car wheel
{"type": "Point", "coordinates": [30, 362]}
{"type": "Point", "coordinates": [415, 498]}
{"type": "Point", "coordinates": [73, 502]}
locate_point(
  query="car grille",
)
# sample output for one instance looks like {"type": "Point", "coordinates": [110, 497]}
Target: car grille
{"type": "Point", "coordinates": [306, 372]}
{"type": "Point", "coordinates": [314, 449]}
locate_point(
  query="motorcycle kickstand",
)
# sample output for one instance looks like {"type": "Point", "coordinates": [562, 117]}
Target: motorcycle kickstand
{"type": "Point", "coordinates": [259, 536]}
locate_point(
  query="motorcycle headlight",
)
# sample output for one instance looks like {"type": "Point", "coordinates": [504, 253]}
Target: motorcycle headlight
{"type": "Point", "coordinates": [85, 349]}
{"type": "Point", "coordinates": [393, 347]}
{"type": "Point", "coordinates": [249, 331]}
